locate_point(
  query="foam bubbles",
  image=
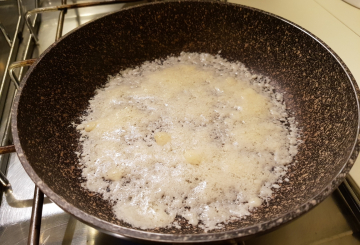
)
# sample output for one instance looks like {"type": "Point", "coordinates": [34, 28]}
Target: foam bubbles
{"type": "Point", "coordinates": [192, 136]}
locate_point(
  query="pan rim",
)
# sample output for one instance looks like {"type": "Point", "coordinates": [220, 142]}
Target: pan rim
{"type": "Point", "coordinates": [117, 230]}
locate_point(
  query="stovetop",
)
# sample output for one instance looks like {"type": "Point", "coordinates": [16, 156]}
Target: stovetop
{"type": "Point", "coordinates": [331, 222]}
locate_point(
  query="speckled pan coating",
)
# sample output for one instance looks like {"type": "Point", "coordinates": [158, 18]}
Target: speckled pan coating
{"type": "Point", "coordinates": [317, 86]}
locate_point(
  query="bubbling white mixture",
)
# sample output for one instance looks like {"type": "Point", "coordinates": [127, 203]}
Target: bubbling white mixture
{"type": "Point", "coordinates": [193, 136]}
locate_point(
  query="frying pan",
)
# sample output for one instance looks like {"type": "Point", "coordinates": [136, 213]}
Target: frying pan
{"type": "Point", "coordinates": [318, 89]}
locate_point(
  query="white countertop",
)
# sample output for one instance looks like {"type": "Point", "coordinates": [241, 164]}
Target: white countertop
{"type": "Point", "coordinates": [333, 21]}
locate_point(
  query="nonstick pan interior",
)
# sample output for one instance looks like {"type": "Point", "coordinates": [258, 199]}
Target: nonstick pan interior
{"type": "Point", "coordinates": [318, 88]}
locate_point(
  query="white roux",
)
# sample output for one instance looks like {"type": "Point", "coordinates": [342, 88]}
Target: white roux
{"type": "Point", "coordinates": [194, 136]}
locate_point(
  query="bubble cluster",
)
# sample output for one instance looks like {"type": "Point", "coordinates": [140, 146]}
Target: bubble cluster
{"type": "Point", "coordinates": [193, 136]}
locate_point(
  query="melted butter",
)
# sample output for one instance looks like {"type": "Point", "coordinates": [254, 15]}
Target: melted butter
{"type": "Point", "coordinates": [162, 138]}
{"type": "Point", "coordinates": [114, 173]}
{"type": "Point", "coordinates": [90, 126]}
{"type": "Point", "coordinates": [215, 139]}
{"type": "Point", "coordinates": [193, 157]}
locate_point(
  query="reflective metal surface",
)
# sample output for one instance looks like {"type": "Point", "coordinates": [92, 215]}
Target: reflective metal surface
{"type": "Point", "coordinates": [7, 37]}
{"type": "Point", "coordinates": [3, 180]}
{"type": "Point", "coordinates": [36, 217]}
{"type": "Point", "coordinates": [11, 24]}
{"type": "Point", "coordinates": [62, 9]}
{"type": "Point", "coordinates": [21, 47]}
